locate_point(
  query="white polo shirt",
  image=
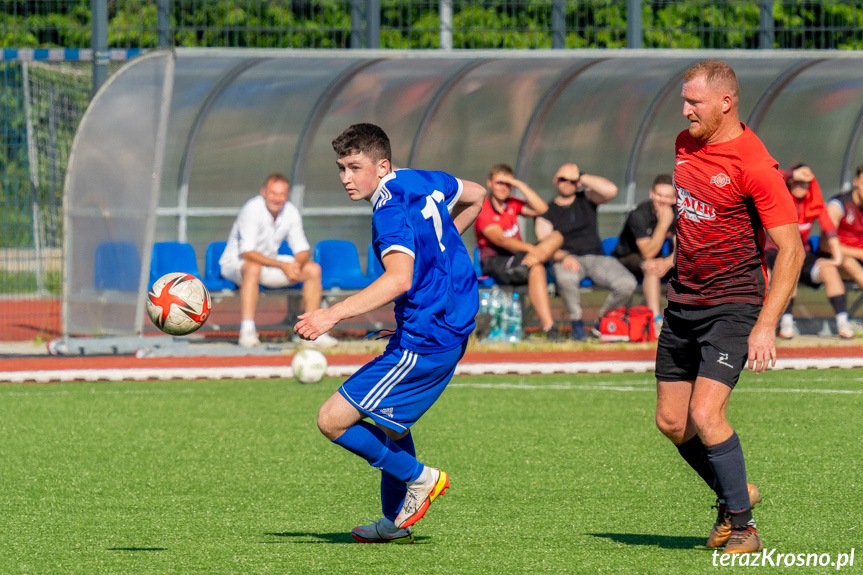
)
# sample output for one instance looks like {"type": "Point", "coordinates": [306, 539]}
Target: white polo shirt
{"type": "Point", "coordinates": [255, 230]}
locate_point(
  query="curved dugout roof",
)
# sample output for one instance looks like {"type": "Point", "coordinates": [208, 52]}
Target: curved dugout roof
{"type": "Point", "coordinates": [176, 141]}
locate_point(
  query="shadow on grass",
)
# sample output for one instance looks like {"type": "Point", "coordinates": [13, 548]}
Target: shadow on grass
{"type": "Point", "coordinates": [137, 548]}
{"type": "Point", "coordinates": [318, 537]}
{"type": "Point", "coordinates": [662, 541]}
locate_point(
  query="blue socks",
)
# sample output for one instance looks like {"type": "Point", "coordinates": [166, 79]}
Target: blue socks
{"type": "Point", "coordinates": [373, 445]}
{"type": "Point", "coordinates": [392, 490]}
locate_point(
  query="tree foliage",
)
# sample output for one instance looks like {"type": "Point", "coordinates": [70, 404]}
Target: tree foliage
{"type": "Point", "coordinates": [415, 24]}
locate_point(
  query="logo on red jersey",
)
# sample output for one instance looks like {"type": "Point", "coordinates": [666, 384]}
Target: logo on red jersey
{"type": "Point", "coordinates": [693, 209]}
{"type": "Point", "coordinates": [511, 232]}
{"type": "Point", "coordinates": [720, 179]}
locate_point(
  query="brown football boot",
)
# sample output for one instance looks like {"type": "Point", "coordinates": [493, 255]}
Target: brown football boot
{"type": "Point", "coordinates": [722, 528]}
{"type": "Point", "coordinates": [744, 539]}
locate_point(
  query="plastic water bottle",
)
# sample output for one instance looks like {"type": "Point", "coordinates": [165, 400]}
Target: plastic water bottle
{"type": "Point", "coordinates": [484, 302]}
{"type": "Point", "coordinates": [512, 323]}
{"type": "Point", "coordinates": [497, 303]}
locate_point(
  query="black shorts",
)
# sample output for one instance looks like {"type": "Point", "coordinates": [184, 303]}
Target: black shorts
{"type": "Point", "coordinates": [699, 341]}
{"type": "Point", "coordinates": [506, 270]}
{"type": "Point", "coordinates": [805, 271]}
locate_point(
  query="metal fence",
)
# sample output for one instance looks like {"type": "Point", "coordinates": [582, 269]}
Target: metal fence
{"type": "Point", "coordinates": [459, 24]}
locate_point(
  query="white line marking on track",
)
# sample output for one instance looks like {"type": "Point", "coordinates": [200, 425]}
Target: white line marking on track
{"type": "Point", "coordinates": [344, 371]}
{"type": "Point", "coordinates": [93, 391]}
{"type": "Point", "coordinates": [635, 386]}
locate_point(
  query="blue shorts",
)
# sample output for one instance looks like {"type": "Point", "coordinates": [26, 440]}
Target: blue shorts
{"type": "Point", "coordinates": [397, 387]}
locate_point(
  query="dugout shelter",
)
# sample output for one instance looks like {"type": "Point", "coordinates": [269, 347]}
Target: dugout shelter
{"type": "Point", "coordinates": [176, 141]}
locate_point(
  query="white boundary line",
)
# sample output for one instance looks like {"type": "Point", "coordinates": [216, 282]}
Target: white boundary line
{"type": "Point", "coordinates": [285, 372]}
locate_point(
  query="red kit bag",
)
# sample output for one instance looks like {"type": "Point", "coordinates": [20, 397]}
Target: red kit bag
{"type": "Point", "coordinates": [641, 325]}
{"type": "Point", "coordinates": [627, 324]}
{"type": "Point", "coordinates": [614, 326]}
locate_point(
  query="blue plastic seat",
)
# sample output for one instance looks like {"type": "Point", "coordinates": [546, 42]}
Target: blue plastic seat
{"type": "Point", "coordinates": [814, 243]}
{"type": "Point", "coordinates": [171, 257]}
{"type": "Point", "coordinates": [667, 247]}
{"type": "Point", "coordinates": [340, 265]}
{"type": "Point", "coordinates": [608, 245]}
{"type": "Point", "coordinates": [374, 269]}
{"type": "Point", "coordinates": [213, 271]}
{"type": "Point", "coordinates": [117, 266]}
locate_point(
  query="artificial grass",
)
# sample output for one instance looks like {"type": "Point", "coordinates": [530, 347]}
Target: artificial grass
{"type": "Point", "coordinates": [557, 474]}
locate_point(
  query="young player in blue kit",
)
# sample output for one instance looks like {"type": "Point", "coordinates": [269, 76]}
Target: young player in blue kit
{"type": "Point", "coordinates": [417, 222]}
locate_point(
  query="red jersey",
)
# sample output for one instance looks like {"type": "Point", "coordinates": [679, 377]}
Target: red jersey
{"type": "Point", "coordinates": [726, 194]}
{"type": "Point", "coordinates": [506, 219]}
{"type": "Point", "coordinates": [850, 230]}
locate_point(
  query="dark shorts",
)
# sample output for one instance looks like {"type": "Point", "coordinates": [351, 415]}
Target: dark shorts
{"type": "Point", "coordinates": [805, 271]}
{"type": "Point", "coordinates": [711, 342]}
{"type": "Point", "coordinates": [506, 270]}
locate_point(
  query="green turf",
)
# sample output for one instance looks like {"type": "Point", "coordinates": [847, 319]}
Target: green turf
{"type": "Point", "coordinates": [555, 474]}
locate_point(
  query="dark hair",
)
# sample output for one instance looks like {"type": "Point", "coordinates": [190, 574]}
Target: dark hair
{"type": "Point", "coordinates": [715, 72]}
{"type": "Point", "coordinates": [500, 169]}
{"type": "Point", "coordinates": [367, 139]}
{"type": "Point", "coordinates": [662, 179]}
{"type": "Point", "coordinates": [860, 169]}
{"type": "Point", "coordinates": [277, 177]}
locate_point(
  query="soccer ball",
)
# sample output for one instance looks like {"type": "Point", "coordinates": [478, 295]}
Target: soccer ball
{"type": "Point", "coordinates": [178, 303]}
{"type": "Point", "coordinates": [309, 366]}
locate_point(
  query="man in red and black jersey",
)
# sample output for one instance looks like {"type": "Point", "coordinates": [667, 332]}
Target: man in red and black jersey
{"type": "Point", "coordinates": [719, 312]}
{"type": "Point", "coordinates": [846, 211]}
{"type": "Point", "coordinates": [503, 254]}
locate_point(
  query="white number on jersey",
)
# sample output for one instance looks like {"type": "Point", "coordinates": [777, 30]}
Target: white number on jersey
{"type": "Point", "coordinates": [430, 211]}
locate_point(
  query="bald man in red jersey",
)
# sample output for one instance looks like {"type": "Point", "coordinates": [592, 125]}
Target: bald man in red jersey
{"type": "Point", "coordinates": [720, 315]}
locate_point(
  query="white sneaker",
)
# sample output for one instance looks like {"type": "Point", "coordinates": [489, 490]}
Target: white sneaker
{"type": "Point", "coordinates": [324, 340]}
{"type": "Point", "coordinates": [786, 327]}
{"type": "Point", "coordinates": [421, 493]}
{"type": "Point", "coordinates": [249, 338]}
{"type": "Point", "coordinates": [382, 531]}
{"type": "Point", "coordinates": [844, 330]}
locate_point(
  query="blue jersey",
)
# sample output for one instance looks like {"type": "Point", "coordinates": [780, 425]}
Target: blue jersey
{"type": "Point", "coordinates": [412, 215]}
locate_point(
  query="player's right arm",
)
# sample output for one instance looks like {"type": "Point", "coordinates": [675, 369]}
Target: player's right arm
{"type": "Point", "coordinates": [396, 280]}
{"type": "Point", "coordinates": [469, 205]}
{"type": "Point", "coordinates": [786, 271]}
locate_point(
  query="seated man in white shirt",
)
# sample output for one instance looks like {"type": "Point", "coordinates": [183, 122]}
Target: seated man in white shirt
{"type": "Point", "coordinates": [251, 257]}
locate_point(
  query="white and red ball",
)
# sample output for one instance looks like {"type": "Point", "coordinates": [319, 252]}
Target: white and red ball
{"type": "Point", "coordinates": [178, 303]}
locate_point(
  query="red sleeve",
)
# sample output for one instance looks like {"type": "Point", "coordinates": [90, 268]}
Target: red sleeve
{"type": "Point", "coordinates": [516, 205]}
{"type": "Point", "coordinates": [775, 205]}
{"type": "Point", "coordinates": [828, 228]}
{"type": "Point", "coordinates": [484, 217]}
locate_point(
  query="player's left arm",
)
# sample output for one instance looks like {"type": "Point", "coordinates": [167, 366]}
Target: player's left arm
{"type": "Point", "coordinates": [468, 206]}
{"type": "Point", "coordinates": [786, 271]}
{"type": "Point", "coordinates": [396, 280]}
{"type": "Point", "coordinates": [599, 190]}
